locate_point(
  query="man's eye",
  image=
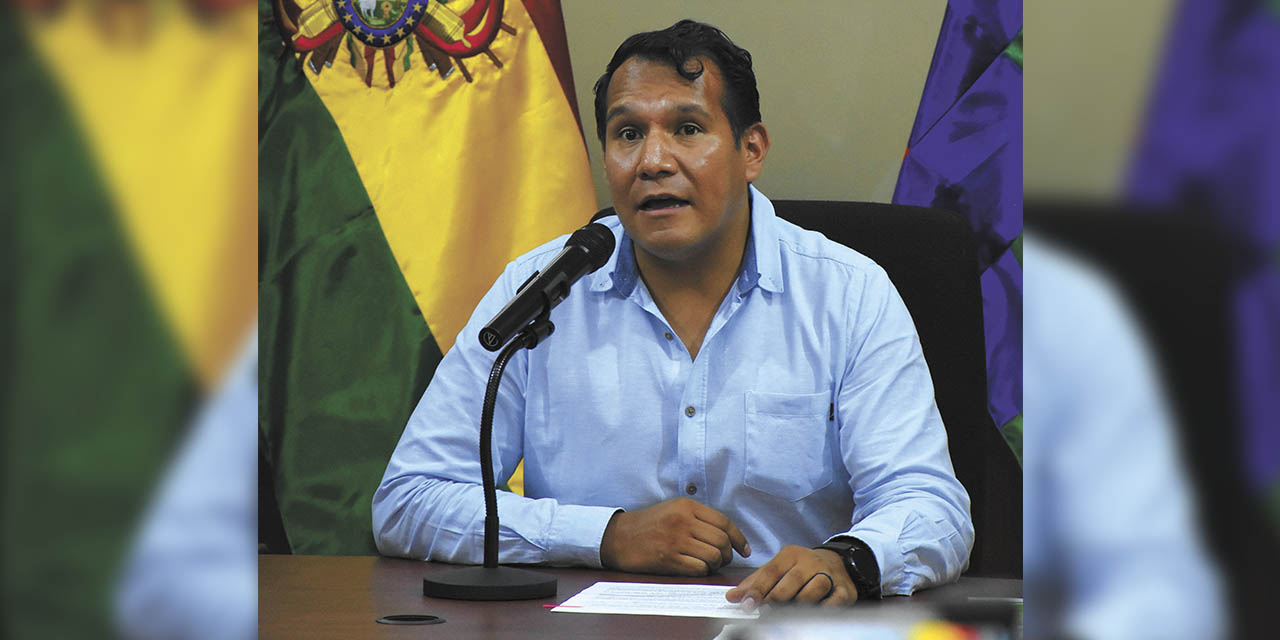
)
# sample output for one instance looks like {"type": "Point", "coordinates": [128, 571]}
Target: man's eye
{"type": "Point", "coordinates": [689, 129]}
{"type": "Point", "coordinates": [629, 135]}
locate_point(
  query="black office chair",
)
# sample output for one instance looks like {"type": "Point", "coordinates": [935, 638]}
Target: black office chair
{"type": "Point", "coordinates": [1178, 269]}
{"type": "Point", "coordinates": [929, 255]}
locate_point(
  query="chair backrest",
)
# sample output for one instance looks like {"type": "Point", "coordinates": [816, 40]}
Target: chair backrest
{"type": "Point", "coordinates": [929, 255]}
{"type": "Point", "coordinates": [1179, 271]}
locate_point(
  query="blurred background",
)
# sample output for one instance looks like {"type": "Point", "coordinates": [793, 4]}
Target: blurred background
{"type": "Point", "coordinates": [129, 182]}
{"type": "Point", "coordinates": [1151, 171]}
{"type": "Point", "coordinates": [1151, 182]}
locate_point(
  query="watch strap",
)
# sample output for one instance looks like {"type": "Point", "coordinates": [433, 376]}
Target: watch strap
{"type": "Point", "coordinates": [860, 563]}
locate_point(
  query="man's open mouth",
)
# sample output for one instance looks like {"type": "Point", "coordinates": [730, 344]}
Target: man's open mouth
{"type": "Point", "coordinates": [655, 203]}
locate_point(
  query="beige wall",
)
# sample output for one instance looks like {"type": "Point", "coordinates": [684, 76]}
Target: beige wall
{"type": "Point", "coordinates": [839, 81]}
{"type": "Point", "coordinates": [1092, 64]}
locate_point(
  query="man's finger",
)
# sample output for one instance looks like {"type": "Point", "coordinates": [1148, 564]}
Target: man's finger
{"type": "Point", "coordinates": [738, 540]}
{"type": "Point", "coordinates": [708, 554]}
{"type": "Point", "coordinates": [765, 580]}
{"type": "Point", "coordinates": [710, 515]}
{"type": "Point", "coordinates": [691, 565]}
{"type": "Point", "coordinates": [722, 522]}
{"type": "Point", "coordinates": [746, 594]}
{"type": "Point", "coordinates": [788, 586]}
{"type": "Point", "coordinates": [715, 537]}
{"type": "Point", "coordinates": [754, 586]}
{"type": "Point", "coordinates": [819, 586]}
{"type": "Point", "coordinates": [840, 596]}
{"type": "Point", "coordinates": [735, 594]}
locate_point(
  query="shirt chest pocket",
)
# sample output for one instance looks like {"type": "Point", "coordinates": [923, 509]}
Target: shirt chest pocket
{"type": "Point", "coordinates": [788, 452]}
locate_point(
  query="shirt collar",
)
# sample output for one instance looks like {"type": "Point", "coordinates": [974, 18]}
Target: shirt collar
{"type": "Point", "coordinates": [761, 261]}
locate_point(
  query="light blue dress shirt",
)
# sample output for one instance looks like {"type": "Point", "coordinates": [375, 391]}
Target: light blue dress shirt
{"type": "Point", "coordinates": [808, 412]}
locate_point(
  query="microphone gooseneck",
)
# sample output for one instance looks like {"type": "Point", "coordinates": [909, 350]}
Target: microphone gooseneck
{"type": "Point", "coordinates": [527, 318]}
{"type": "Point", "coordinates": [586, 250]}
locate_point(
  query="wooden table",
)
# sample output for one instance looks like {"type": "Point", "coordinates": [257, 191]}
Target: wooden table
{"type": "Point", "coordinates": [342, 596]}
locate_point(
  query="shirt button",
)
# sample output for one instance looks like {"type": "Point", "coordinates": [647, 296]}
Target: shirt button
{"type": "Point", "coordinates": [689, 411]}
{"type": "Point", "coordinates": [668, 335]}
{"type": "Point", "coordinates": [691, 489]}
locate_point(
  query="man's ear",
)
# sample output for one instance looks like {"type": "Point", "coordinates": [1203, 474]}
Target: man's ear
{"type": "Point", "coordinates": [755, 146]}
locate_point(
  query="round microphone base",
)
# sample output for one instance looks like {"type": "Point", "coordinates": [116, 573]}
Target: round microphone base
{"type": "Point", "coordinates": [484, 583]}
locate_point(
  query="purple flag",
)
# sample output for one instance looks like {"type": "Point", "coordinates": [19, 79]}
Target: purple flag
{"type": "Point", "coordinates": [965, 155]}
{"type": "Point", "coordinates": [1211, 142]}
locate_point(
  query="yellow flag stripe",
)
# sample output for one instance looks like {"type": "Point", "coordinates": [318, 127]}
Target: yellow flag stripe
{"type": "Point", "coordinates": [181, 165]}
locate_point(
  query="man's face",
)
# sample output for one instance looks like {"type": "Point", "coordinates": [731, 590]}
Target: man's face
{"type": "Point", "coordinates": [678, 181]}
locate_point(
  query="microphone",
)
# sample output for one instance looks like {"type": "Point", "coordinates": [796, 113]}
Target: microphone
{"type": "Point", "coordinates": [585, 251]}
{"type": "Point", "coordinates": [525, 318]}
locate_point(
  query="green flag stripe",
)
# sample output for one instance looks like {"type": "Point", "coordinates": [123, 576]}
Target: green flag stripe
{"type": "Point", "coordinates": [98, 389]}
{"type": "Point", "coordinates": [1012, 433]}
{"type": "Point", "coordinates": [344, 351]}
{"type": "Point", "coordinates": [1014, 50]}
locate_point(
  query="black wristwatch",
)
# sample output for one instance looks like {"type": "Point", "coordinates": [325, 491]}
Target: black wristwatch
{"type": "Point", "coordinates": [860, 562]}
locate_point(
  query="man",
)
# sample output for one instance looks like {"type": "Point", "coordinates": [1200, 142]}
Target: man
{"type": "Point", "coordinates": [727, 382]}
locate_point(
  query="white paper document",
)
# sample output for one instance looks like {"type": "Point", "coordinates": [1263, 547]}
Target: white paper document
{"type": "Point", "coordinates": [646, 599]}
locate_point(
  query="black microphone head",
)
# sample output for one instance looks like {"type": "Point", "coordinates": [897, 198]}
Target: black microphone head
{"type": "Point", "coordinates": [597, 239]}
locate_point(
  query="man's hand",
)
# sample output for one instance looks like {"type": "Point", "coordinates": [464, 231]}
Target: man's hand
{"type": "Point", "coordinates": [675, 537]}
{"type": "Point", "coordinates": [797, 574]}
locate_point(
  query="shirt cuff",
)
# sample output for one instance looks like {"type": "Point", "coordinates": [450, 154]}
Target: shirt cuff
{"type": "Point", "coordinates": [575, 534]}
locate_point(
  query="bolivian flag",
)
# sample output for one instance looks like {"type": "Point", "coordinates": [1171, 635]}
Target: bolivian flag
{"type": "Point", "coordinates": [128, 191]}
{"type": "Point", "coordinates": [407, 150]}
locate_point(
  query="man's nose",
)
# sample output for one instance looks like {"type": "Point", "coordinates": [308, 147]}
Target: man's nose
{"type": "Point", "coordinates": [656, 160]}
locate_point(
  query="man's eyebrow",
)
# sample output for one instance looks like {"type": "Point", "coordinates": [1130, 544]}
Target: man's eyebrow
{"type": "Point", "coordinates": [693, 108]}
{"type": "Point", "coordinates": [623, 109]}
{"type": "Point", "coordinates": [616, 111]}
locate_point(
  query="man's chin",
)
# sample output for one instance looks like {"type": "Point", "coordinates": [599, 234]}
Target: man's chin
{"type": "Point", "coordinates": [666, 247]}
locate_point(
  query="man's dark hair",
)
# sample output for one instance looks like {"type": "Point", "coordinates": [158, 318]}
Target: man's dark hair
{"type": "Point", "coordinates": [679, 46]}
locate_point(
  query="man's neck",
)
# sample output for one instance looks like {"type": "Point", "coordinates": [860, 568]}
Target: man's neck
{"type": "Point", "coordinates": [706, 276]}
{"type": "Point", "coordinates": [689, 291]}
